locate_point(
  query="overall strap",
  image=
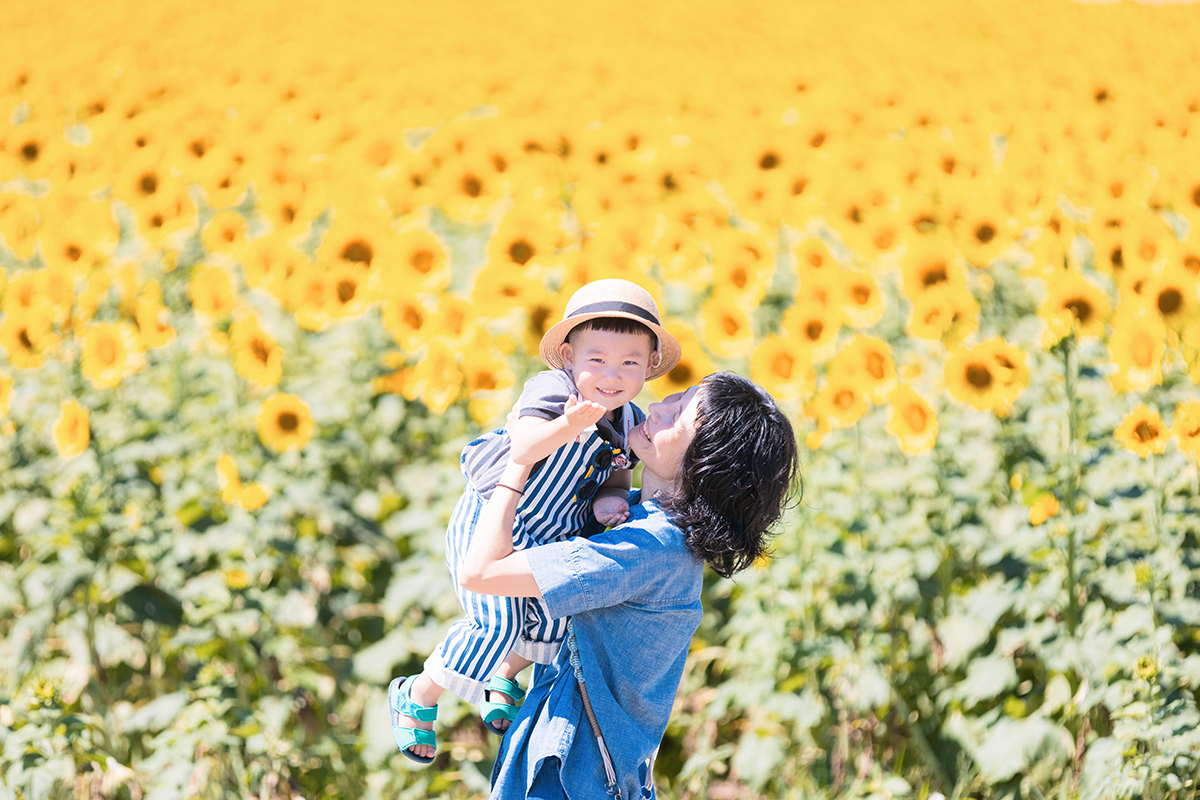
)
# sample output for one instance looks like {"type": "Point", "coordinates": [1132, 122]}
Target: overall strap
{"type": "Point", "coordinates": [577, 664]}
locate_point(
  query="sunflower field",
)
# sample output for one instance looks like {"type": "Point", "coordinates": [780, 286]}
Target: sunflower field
{"type": "Point", "coordinates": [266, 267]}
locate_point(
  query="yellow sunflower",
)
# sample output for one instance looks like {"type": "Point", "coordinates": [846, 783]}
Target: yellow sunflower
{"type": "Point", "coordinates": [814, 328]}
{"type": "Point", "coordinates": [211, 291]}
{"type": "Point", "coordinates": [868, 360]}
{"type": "Point", "coordinates": [913, 421]}
{"type": "Point", "coordinates": [842, 402]}
{"type": "Point", "coordinates": [487, 378]}
{"type": "Point", "coordinates": [71, 431]}
{"type": "Point", "coordinates": [310, 294]}
{"type": "Point", "coordinates": [1142, 431]}
{"type": "Point", "coordinates": [109, 353]}
{"type": "Point", "coordinates": [407, 318]}
{"type": "Point", "coordinates": [27, 337]}
{"type": "Point", "coordinates": [973, 376]}
{"type": "Point", "coordinates": [862, 303]}
{"type": "Point", "coordinates": [257, 357]}
{"type": "Point", "coordinates": [781, 367]}
{"type": "Point", "coordinates": [1043, 508]}
{"type": "Point", "coordinates": [225, 233]}
{"type": "Point", "coordinates": [693, 364]}
{"type": "Point", "coordinates": [269, 261]}
{"type": "Point", "coordinates": [1137, 346]}
{"type": "Point", "coordinates": [1171, 293]}
{"type": "Point", "coordinates": [728, 329]}
{"type": "Point", "coordinates": [929, 263]}
{"type": "Point", "coordinates": [420, 262]}
{"type": "Point", "coordinates": [742, 266]}
{"type": "Point", "coordinates": [149, 312]}
{"type": "Point", "coordinates": [946, 312]}
{"type": "Point", "coordinates": [1187, 427]}
{"type": "Point", "coordinates": [1073, 306]}
{"type": "Point", "coordinates": [284, 422]}
{"type": "Point", "coordinates": [436, 379]}
{"type": "Point", "coordinates": [228, 480]}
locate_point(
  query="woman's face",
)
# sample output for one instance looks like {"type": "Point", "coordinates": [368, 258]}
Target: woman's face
{"type": "Point", "coordinates": [663, 438]}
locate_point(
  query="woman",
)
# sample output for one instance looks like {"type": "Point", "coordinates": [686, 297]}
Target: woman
{"type": "Point", "coordinates": [719, 463]}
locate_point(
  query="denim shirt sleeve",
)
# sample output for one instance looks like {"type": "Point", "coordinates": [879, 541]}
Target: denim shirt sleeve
{"type": "Point", "coordinates": [611, 568]}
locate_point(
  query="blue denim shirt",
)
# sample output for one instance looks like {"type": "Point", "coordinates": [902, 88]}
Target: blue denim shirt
{"type": "Point", "coordinates": [633, 593]}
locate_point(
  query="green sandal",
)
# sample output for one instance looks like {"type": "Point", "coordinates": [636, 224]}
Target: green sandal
{"type": "Point", "coordinates": [406, 737]}
{"type": "Point", "coordinates": [494, 712]}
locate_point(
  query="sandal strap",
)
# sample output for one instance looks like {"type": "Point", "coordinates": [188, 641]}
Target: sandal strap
{"type": "Point", "coordinates": [494, 712]}
{"type": "Point", "coordinates": [405, 705]}
{"type": "Point", "coordinates": [506, 686]}
{"type": "Point", "coordinates": [407, 738]}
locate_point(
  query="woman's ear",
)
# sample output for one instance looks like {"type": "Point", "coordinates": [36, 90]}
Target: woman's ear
{"type": "Point", "coordinates": [564, 352]}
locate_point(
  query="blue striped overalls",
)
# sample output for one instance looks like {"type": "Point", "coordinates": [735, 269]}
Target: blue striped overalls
{"type": "Point", "coordinates": [553, 508]}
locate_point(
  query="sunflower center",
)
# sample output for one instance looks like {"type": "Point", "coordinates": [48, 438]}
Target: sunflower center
{"type": "Point", "coordinates": [413, 318]}
{"type": "Point", "coordinates": [23, 338]}
{"type": "Point", "coordinates": [884, 239]}
{"type": "Point", "coordinates": [782, 365]}
{"type": "Point", "coordinates": [30, 151]}
{"type": "Point", "coordinates": [985, 233]}
{"type": "Point", "coordinates": [730, 325]}
{"type": "Point", "coordinates": [739, 278]}
{"type": "Point", "coordinates": [346, 289]}
{"type": "Point", "coordinates": [1169, 301]}
{"type": "Point", "coordinates": [843, 399]}
{"type": "Point", "coordinates": [1145, 432]}
{"type": "Point", "coordinates": [148, 183]}
{"type": "Point", "coordinates": [681, 374]}
{"type": "Point", "coordinates": [1143, 352]}
{"type": "Point", "coordinates": [484, 380]}
{"type": "Point", "coordinates": [979, 376]}
{"type": "Point", "coordinates": [358, 251]}
{"type": "Point", "coordinates": [520, 252]}
{"type": "Point", "coordinates": [288, 421]}
{"type": "Point", "coordinates": [73, 252]}
{"type": "Point", "coordinates": [814, 329]}
{"type": "Point", "coordinates": [934, 274]}
{"type": "Point", "coordinates": [472, 186]}
{"type": "Point", "coordinates": [539, 318]}
{"type": "Point", "coordinates": [916, 417]}
{"type": "Point", "coordinates": [261, 352]}
{"type": "Point", "coordinates": [861, 295]}
{"type": "Point", "coordinates": [876, 366]}
{"type": "Point", "coordinates": [769, 160]}
{"type": "Point", "coordinates": [106, 351]}
{"type": "Point", "coordinates": [422, 261]}
{"type": "Point", "coordinates": [1080, 308]}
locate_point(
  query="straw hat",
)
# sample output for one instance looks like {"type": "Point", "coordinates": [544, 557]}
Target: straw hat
{"type": "Point", "coordinates": [612, 297]}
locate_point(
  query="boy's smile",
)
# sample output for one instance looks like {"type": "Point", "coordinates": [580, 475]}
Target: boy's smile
{"type": "Point", "coordinates": [609, 368]}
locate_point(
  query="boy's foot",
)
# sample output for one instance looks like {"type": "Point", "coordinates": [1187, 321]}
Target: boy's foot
{"type": "Point", "coordinates": [499, 703]}
{"type": "Point", "coordinates": [412, 724]}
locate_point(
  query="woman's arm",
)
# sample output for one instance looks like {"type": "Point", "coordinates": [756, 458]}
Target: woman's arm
{"type": "Point", "coordinates": [491, 565]}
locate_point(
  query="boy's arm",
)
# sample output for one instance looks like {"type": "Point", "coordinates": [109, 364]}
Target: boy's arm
{"type": "Point", "coordinates": [534, 438]}
{"type": "Point", "coordinates": [491, 566]}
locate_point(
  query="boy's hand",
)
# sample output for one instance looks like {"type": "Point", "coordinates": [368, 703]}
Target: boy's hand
{"type": "Point", "coordinates": [610, 510]}
{"type": "Point", "coordinates": [582, 414]}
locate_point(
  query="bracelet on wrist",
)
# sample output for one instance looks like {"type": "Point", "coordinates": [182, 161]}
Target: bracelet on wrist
{"type": "Point", "coordinates": [510, 488]}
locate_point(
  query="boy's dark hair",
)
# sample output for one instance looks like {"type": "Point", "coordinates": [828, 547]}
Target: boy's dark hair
{"type": "Point", "coordinates": [737, 475]}
{"type": "Point", "coordinates": [613, 325]}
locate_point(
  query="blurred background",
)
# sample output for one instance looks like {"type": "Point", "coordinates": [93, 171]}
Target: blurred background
{"type": "Point", "coordinates": [268, 266]}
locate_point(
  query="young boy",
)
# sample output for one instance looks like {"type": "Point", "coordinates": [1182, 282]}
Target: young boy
{"type": "Point", "coordinates": [573, 423]}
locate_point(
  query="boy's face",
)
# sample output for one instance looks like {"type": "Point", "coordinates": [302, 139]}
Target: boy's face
{"type": "Point", "coordinates": [609, 368]}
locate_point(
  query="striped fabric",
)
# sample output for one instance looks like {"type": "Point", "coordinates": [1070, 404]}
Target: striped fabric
{"type": "Point", "coordinates": [551, 509]}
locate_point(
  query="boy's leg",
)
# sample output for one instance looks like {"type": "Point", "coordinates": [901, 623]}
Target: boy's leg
{"type": "Point", "coordinates": [510, 668]}
{"type": "Point", "coordinates": [541, 635]}
{"type": "Point", "coordinates": [424, 692]}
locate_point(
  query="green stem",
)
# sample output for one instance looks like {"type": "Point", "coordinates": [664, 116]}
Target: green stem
{"type": "Point", "coordinates": [923, 745]}
{"type": "Point", "coordinates": [1069, 367]}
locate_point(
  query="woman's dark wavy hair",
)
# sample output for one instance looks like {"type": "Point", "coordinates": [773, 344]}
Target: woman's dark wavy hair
{"type": "Point", "coordinates": [737, 476]}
